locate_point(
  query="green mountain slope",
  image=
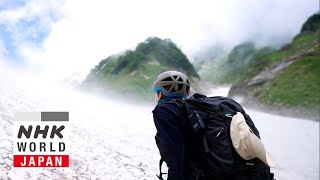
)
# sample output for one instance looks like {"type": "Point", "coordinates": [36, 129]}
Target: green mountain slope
{"type": "Point", "coordinates": [288, 77]}
{"type": "Point", "coordinates": [237, 65]}
{"type": "Point", "coordinates": [132, 73]}
{"type": "Point", "coordinates": [297, 85]}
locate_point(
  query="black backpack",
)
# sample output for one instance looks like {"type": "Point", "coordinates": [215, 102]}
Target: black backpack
{"type": "Point", "coordinates": [209, 121]}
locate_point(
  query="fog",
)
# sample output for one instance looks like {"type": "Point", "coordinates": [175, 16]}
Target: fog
{"type": "Point", "coordinates": [65, 39]}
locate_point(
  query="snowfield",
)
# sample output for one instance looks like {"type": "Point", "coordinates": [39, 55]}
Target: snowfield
{"type": "Point", "coordinates": [113, 140]}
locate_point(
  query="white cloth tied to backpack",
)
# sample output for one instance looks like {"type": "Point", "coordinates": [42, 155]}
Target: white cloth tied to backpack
{"type": "Point", "coordinates": [246, 143]}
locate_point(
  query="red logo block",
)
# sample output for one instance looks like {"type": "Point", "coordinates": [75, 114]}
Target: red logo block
{"type": "Point", "coordinates": [41, 161]}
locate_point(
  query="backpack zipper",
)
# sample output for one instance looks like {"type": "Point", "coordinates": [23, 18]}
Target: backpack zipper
{"type": "Point", "coordinates": [220, 131]}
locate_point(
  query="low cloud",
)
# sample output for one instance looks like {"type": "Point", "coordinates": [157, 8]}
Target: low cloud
{"type": "Point", "coordinates": [78, 34]}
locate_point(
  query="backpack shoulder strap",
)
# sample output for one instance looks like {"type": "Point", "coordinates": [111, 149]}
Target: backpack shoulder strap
{"type": "Point", "coordinates": [178, 102]}
{"type": "Point", "coordinates": [160, 169]}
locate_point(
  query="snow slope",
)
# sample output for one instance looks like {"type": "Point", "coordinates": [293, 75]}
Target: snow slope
{"type": "Point", "coordinates": [113, 140]}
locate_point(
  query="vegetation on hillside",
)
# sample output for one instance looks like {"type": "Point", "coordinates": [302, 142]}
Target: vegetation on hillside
{"type": "Point", "coordinates": [245, 60]}
{"type": "Point", "coordinates": [242, 62]}
{"type": "Point", "coordinates": [297, 85]}
{"type": "Point", "coordinates": [289, 76]}
{"type": "Point", "coordinates": [132, 73]}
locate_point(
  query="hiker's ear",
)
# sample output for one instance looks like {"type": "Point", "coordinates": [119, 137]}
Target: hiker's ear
{"type": "Point", "coordinates": [161, 95]}
{"type": "Point", "coordinates": [157, 97]}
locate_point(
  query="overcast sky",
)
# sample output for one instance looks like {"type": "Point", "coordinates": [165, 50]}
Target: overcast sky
{"type": "Point", "coordinates": [62, 38]}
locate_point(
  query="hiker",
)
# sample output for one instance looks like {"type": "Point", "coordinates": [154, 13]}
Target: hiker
{"type": "Point", "coordinates": [194, 138]}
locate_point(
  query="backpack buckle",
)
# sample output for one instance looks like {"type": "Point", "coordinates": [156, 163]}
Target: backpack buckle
{"type": "Point", "coordinates": [197, 123]}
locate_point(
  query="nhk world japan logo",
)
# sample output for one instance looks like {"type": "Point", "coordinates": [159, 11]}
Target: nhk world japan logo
{"type": "Point", "coordinates": [40, 139]}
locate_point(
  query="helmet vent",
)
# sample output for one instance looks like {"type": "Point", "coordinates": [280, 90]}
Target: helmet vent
{"type": "Point", "coordinates": [167, 87]}
{"type": "Point", "coordinates": [180, 86]}
{"type": "Point", "coordinates": [167, 79]}
{"type": "Point", "coordinates": [180, 79]}
{"type": "Point", "coordinates": [188, 81]}
{"type": "Point", "coordinates": [175, 77]}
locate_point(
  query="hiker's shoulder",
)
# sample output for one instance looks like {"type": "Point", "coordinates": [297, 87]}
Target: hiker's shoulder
{"type": "Point", "coordinates": [171, 107]}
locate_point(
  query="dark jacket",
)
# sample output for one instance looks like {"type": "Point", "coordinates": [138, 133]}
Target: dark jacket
{"type": "Point", "coordinates": [172, 142]}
